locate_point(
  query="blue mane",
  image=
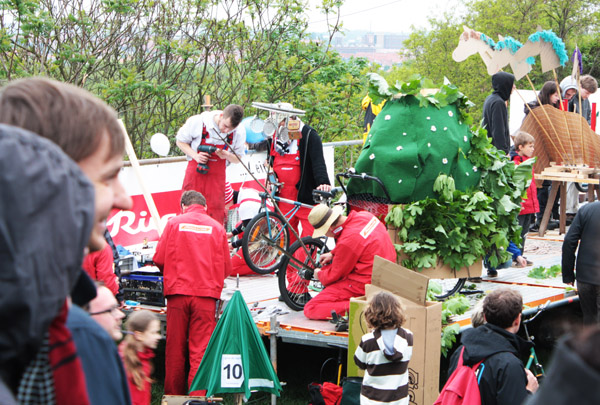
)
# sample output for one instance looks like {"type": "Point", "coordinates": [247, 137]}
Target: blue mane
{"type": "Point", "coordinates": [557, 44]}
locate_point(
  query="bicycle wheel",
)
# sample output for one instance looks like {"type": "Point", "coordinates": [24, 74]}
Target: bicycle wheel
{"type": "Point", "coordinates": [296, 283]}
{"type": "Point", "coordinates": [581, 187]}
{"type": "Point", "coordinates": [450, 287]}
{"type": "Point", "coordinates": [260, 254]}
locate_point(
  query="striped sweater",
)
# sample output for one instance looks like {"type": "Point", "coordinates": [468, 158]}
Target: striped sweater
{"type": "Point", "coordinates": [386, 376]}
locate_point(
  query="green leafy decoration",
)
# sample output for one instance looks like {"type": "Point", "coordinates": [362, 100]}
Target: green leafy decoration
{"type": "Point", "coordinates": [542, 272]}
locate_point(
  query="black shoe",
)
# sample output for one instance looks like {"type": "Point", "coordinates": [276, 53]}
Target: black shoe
{"type": "Point", "coordinates": [492, 273]}
{"type": "Point", "coordinates": [553, 225]}
{"type": "Point", "coordinates": [534, 228]}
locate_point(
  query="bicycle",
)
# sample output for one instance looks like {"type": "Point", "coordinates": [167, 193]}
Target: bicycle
{"type": "Point", "coordinates": [538, 369]}
{"type": "Point", "coordinates": [266, 237]}
{"type": "Point", "coordinates": [297, 283]}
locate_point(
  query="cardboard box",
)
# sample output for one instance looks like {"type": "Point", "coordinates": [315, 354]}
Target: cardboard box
{"type": "Point", "coordinates": [423, 319]}
{"type": "Point", "coordinates": [442, 270]}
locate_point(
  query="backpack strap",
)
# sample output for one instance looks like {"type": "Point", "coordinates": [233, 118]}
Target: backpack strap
{"type": "Point", "coordinates": [474, 368]}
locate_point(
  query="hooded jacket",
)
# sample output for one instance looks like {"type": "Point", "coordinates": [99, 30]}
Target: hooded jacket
{"type": "Point", "coordinates": [46, 216]}
{"type": "Point", "coordinates": [570, 380]}
{"type": "Point", "coordinates": [495, 113]}
{"type": "Point", "coordinates": [503, 378]}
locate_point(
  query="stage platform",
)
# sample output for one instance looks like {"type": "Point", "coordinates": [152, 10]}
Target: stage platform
{"type": "Point", "coordinates": [261, 293]}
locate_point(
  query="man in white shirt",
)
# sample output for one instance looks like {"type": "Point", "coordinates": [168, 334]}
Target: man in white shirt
{"type": "Point", "coordinates": [222, 130]}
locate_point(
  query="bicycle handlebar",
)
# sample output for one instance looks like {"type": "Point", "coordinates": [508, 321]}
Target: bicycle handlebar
{"type": "Point", "coordinates": [540, 309]}
{"type": "Point", "coordinates": [363, 176]}
{"type": "Point", "coordinates": [319, 195]}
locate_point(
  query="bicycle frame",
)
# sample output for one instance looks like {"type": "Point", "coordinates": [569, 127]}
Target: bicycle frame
{"type": "Point", "coordinates": [538, 369]}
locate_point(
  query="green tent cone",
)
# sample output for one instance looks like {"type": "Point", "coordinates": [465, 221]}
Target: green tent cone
{"type": "Point", "coordinates": [235, 359]}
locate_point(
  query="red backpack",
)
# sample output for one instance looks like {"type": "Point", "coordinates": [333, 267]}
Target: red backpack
{"type": "Point", "coordinates": [463, 385]}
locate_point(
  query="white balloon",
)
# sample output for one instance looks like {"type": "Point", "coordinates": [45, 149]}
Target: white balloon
{"type": "Point", "coordinates": [159, 143]}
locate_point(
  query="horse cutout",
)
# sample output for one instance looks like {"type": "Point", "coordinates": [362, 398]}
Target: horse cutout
{"type": "Point", "coordinates": [546, 44]}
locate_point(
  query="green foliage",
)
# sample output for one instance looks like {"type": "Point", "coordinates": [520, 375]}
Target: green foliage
{"type": "Point", "coordinates": [542, 272]}
{"type": "Point", "coordinates": [449, 334]}
{"type": "Point", "coordinates": [460, 227]}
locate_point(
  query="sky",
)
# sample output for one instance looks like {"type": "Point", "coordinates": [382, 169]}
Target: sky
{"type": "Point", "coordinates": [383, 15]}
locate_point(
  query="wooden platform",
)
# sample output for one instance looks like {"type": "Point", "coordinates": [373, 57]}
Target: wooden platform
{"type": "Point", "coordinates": [261, 293]}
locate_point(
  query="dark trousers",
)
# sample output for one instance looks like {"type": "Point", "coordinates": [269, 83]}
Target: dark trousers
{"type": "Point", "coordinates": [542, 194]}
{"type": "Point", "coordinates": [525, 221]}
{"type": "Point", "coordinates": [589, 299]}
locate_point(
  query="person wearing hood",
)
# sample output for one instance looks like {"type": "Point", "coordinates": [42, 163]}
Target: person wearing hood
{"type": "Point", "coordinates": [589, 85]}
{"type": "Point", "coordinates": [495, 113]}
{"type": "Point", "coordinates": [503, 379]}
{"type": "Point", "coordinates": [47, 212]}
{"type": "Point", "coordinates": [574, 373]}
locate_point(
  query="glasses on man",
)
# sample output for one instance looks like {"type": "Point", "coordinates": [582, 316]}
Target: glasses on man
{"type": "Point", "coordinates": [112, 310]}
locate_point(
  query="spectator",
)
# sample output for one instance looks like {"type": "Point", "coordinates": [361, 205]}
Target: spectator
{"type": "Point", "coordinates": [95, 334]}
{"type": "Point", "coordinates": [524, 147]}
{"type": "Point", "coordinates": [348, 267]}
{"type": "Point", "coordinates": [548, 95]}
{"type": "Point", "coordinates": [297, 160]}
{"type": "Point", "coordinates": [574, 373]}
{"type": "Point", "coordinates": [88, 131]}
{"type": "Point", "coordinates": [385, 352]}
{"type": "Point", "coordinates": [516, 258]}
{"type": "Point", "coordinates": [193, 254]}
{"type": "Point", "coordinates": [477, 318]}
{"type": "Point", "coordinates": [495, 113]}
{"type": "Point", "coordinates": [47, 216]}
{"type": "Point", "coordinates": [99, 266]}
{"type": "Point", "coordinates": [137, 351]}
{"type": "Point", "coordinates": [222, 130]}
{"type": "Point", "coordinates": [503, 380]}
{"type": "Point", "coordinates": [583, 233]}
{"type": "Point", "coordinates": [568, 88]}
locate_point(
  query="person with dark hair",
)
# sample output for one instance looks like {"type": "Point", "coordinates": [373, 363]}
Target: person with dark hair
{"type": "Point", "coordinates": [96, 332]}
{"type": "Point", "coordinates": [574, 373]}
{"type": "Point", "coordinates": [503, 379]}
{"type": "Point", "coordinates": [495, 113]}
{"type": "Point", "coordinates": [583, 238]}
{"type": "Point", "coordinates": [549, 94]}
{"type": "Point", "coordinates": [219, 129]}
{"type": "Point", "coordinates": [193, 254]}
{"type": "Point", "coordinates": [385, 352]}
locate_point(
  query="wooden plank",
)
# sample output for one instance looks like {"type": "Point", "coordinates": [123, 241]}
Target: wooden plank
{"type": "Point", "coordinates": [573, 179]}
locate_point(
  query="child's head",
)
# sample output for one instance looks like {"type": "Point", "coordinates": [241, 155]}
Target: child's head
{"type": "Point", "coordinates": [477, 318]}
{"type": "Point", "coordinates": [384, 312]}
{"type": "Point", "coordinates": [524, 144]}
{"type": "Point", "coordinates": [549, 94]}
{"type": "Point", "coordinates": [589, 85]}
{"type": "Point", "coordinates": [144, 329]}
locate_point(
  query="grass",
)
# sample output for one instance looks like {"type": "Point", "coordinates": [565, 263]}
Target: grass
{"type": "Point", "coordinates": [298, 366]}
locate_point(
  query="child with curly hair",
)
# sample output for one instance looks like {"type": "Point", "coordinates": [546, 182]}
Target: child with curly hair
{"type": "Point", "coordinates": [137, 351]}
{"type": "Point", "coordinates": [384, 353]}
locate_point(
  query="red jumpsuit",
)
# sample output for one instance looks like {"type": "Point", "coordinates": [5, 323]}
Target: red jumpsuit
{"type": "Point", "coordinates": [202, 129]}
{"type": "Point", "coordinates": [288, 171]}
{"type": "Point", "coordinates": [361, 237]}
{"type": "Point", "coordinates": [99, 266]}
{"type": "Point", "coordinates": [194, 256]}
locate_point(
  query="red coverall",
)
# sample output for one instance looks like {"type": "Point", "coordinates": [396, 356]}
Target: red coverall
{"type": "Point", "coordinates": [201, 129]}
{"type": "Point", "coordinates": [194, 256]}
{"type": "Point", "coordinates": [99, 266]}
{"type": "Point", "coordinates": [288, 171]}
{"type": "Point", "coordinates": [361, 238]}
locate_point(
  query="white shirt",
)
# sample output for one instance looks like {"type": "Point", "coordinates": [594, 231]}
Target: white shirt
{"type": "Point", "coordinates": [191, 133]}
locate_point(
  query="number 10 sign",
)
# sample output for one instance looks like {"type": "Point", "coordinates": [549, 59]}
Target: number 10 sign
{"type": "Point", "coordinates": [232, 373]}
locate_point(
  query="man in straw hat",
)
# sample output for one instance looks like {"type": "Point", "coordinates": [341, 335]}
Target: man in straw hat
{"type": "Point", "coordinates": [348, 267]}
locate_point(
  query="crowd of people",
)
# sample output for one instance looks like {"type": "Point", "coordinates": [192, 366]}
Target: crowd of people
{"type": "Point", "coordinates": [61, 152]}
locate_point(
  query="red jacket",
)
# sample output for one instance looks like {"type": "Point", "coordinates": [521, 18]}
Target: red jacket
{"type": "Point", "coordinates": [362, 237]}
{"type": "Point", "coordinates": [193, 254]}
{"type": "Point", "coordinates": [529, 205]}
{"type": "Point", "coordinates": [99, 266]}
{"type": "Point", "coordinates": [143, 396]}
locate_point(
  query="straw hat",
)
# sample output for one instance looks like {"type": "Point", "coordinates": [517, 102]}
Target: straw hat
{"type": "Point", "coordinates": [321, 217]}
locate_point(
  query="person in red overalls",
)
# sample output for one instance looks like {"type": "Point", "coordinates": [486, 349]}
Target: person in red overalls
{"type": "Point", "coordinates": [348, 267]}
{"type": "Point", "coordinates": [194, 256]}
{"type": "Point", "coordinates": [213, 128]}
{"type": "Point", "coordinates": [99, 266]}
{"type": "Point", "coordinates": [300, 166]}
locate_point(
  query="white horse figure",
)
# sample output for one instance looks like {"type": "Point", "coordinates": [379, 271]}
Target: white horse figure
{"type": "Point", "coordinates": [472, 42]}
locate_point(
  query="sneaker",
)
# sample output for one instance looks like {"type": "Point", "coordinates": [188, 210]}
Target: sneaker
{"type": "Point", "coordinates": [534, 228]}
{"type": "Point", "coordinates": [492, 273]}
